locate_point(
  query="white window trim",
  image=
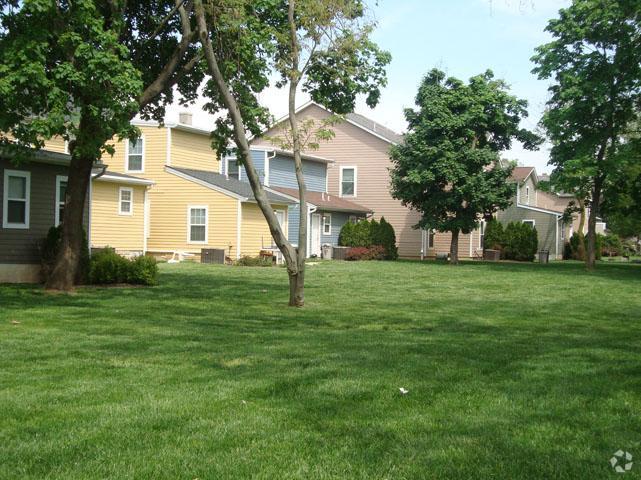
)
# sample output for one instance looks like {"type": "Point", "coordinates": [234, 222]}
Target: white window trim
{"type": "Point", "coordinates": [340, 181]}
{"type": "Point", "coordinates": [5, 199]}
{"type": "Point", "coordinates": [131, 201]}
{"type": "Point", "coordinates": [197, 242]}
{"type": "Point", "coordinates": [527, 195]}
{"type": "Point", "coordinates": [233, 159]}
{"type": "Point", "coordinates": [59, 180]}
{"type": "Point", "coordinates": [142, 163]}
{"type": "Point", "coordinates": [529, 220]}
{"type": "Point", "coordinates": [327, 216]}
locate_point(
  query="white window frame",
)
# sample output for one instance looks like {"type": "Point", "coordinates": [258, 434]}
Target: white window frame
{"type": "Point", "coordinates": [197, 242]}
{"type": "Point", "coordinates": [562, 231]}
{"type": "Point", "coordinates": [340, 181]}
{"type": "Point", "coordinates": [59, 180]}
{"type": "Point", "coordinates": [284, 222]}
{"type": "Point", "coordinates": [430, 232]}
{"type": "Point", "coordinates": [527, 195]}
{"type": "Point", "coordinates": [528, 220]}
{"type": "Point", "coordinates": [142, 162]}
{"type": "Point", "coordinates": [131, 201]}
{"type": "Point", "coordinates": [325, 224]}
{"type": "Point", "coordinates": [5, 199]}
{"type": "Point", "coordinates": [482, 226]}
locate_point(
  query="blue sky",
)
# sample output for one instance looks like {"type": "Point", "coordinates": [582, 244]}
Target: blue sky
{"type": "Point", "coordinates": [461, 37]}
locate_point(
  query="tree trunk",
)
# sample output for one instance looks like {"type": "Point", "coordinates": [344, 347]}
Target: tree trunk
{"type": "Point", "coordinates": [454, 248]}
{"type": "Point", "coordinates": [581, 248]}
{"type": "Point", "coordinates": [296, 282]}
{"type": "Point", "coordinates": [594, 211]}
{"type": "Point", "coordinates": [65, 271]}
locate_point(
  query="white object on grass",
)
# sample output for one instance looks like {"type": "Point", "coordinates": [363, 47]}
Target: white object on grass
{"type": "Point", "coordinates": [403, 391]}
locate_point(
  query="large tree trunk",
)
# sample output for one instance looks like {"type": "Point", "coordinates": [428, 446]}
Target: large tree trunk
{"type": "Point", "coordinates": [594, 211]}
{"type": "Point", "coordinates": [296, 289]}
{"type": "Point", "coordinates": [454, 248]}
{"type": "Point", "coordinates": [65, 271]}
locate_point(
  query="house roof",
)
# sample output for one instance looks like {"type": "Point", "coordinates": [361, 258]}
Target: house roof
{"type": "Point", "coordinates": [224, 184]}
{"type": "Point", "coordinates": [325, 201]}
{"type": "Point", "coordinates": [519, 174]}
{"type": "Point", "coordinates": [115, 177]}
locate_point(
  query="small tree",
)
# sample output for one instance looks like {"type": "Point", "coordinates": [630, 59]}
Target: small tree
{"type": "Point", "coordinates": [494, 238]}
{"type": "Point", "coordinates": [447, 167]}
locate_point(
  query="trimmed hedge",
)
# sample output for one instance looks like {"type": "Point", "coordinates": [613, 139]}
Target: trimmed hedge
{"type": "Point", "coordinates": [494, 237]}
{"type": "Point", "coordinates": [368, 233]}
{"type": "Point", "coordinates": [247, 261]}
{"type": "Point", "coordinates": [375, 252]}
{"type": "Point", "coordinates": [521, 242]}
{"type": "Point", "coordinates": [108, 268]}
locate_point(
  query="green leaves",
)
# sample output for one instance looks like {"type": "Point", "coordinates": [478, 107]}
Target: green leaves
{"type": "Point", "coordinates": [448, 166]}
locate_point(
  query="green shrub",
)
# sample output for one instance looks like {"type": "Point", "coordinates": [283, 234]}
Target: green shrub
{"type": "Point", "coordinates": [574, 246]}
{"type": "Point", "coordinates": [366, 233]}
{"type": "Point", "coordinates": [143, 270]}
{"type": "Point", "coordinates": [494, 237]}
{"type": "Point", "coordinates": [247, 261]}
{"type": "Point", "coordinates": [611, 245]}
{"type": "Point", "coordinates": [108, 268]}
{"type": "Point", "coordinates": [49, 248]}
{"type": "Point", "coordinates": [521, 242]}
{"type": "Point", "coordinates": [375, 252]}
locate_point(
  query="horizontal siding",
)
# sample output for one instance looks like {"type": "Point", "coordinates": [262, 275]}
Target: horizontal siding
{"type": "Point", "coordinates": [19, 246]}
{"type": "Point", "coordinates": [108, 227]}
{"type": "Point", "coordinates": [352, 146]}
{"type": "Point", "coordinates": [545, 226]}
{"type": "Point", "coordinates": [338, 220]}
{"type": "Point", "coordinates": [283, 174]}
{"type": "Point", "coordinates": [255, 233]}
{"type": "Point", "coordinates": [192, 150]}
{"type": "Point", "coordinates": [293, 219]}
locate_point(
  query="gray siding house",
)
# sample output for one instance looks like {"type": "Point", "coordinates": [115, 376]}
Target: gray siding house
{"type": "Point", "coordinates": [31, 197]}
{"type": "Point", "coordinates": [326, 213]}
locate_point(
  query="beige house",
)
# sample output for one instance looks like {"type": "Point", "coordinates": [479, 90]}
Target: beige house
{"type": "Point", "coordinates": [360, 173]}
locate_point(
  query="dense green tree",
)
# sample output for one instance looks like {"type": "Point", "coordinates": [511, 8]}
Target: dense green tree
{"type": "Point", "coordinates": [448, 167]}
{"type": "Point", "coordinates": [595, 63]}
{"type": "Point", "coordinates": [82, 70]}
{"type": "Point", "coordinates": [321, 46]}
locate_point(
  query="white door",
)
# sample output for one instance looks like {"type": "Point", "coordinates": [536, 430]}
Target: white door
{"type": "Point", "coordinates": [316, 235]}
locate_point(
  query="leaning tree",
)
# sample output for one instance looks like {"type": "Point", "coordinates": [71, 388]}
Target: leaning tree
{"type": "Point", "coordinates": [447, 167]}
{"type": "Point", "coordinates": [594, 61]}
{"type": "Point", "coordinates": [321, 46]}
{"type": "Point", "coordinates": [82, 70]}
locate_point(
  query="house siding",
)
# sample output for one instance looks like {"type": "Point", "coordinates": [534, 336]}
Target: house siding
{"type": "Point", "coordinates": [283, 174]}
{"type": "Point", "coordinates": [353, 146]}
{"type": "Point", "coordinates": [125, 233]}
{"type": "Point", "coordinates": [21, 246]}
{"type": "Point", "coordinates": [545, 223]}
{"type": "Point", "coordinates": [192, 150]}
{"type": "Point", "coordinates": [255, 233]}
{"type": "Point", "coordinates": [338, 220]}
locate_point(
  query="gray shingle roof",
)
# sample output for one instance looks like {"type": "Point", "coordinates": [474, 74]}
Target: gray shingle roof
{"type": "Point", "coordinates": [242, 189]}
{"type": "Point", "coordinates": [386, 133]}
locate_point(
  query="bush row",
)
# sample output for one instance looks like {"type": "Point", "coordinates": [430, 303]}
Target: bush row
{"type": "Point", "coordinates": [375, 252]}
{"type": "Point", "coordinates": [370, 233]}
{"type": "Point", "coordinates": [518, 241]}
{"type": "Point", "coordinates": [247, 261]}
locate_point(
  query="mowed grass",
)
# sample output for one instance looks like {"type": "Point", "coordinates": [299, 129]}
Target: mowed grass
{"type": "Point", "coordinates": [513, 371]}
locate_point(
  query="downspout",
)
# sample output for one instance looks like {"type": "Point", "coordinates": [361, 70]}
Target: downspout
{"type": "Point", "coordinates": [267, 159]}
{"type": "Point", "coordinates": [310, 210]}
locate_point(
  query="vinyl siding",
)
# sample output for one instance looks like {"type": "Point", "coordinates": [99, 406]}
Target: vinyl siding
{"type": "Point", "coordinates": [545, 224]}
{"type": "Point", "coordinates": [55, 144]}
{"type": "Point", "coordinates": [258, 157]}
{"type": "Point", "coordinates": [192, 150]}
{"type": "Point", "coordinates": [283, 174]}
{"type": "Point", "coordinates": [293, 219]}
{"type": "Point", "coordinates": [21, 246]}
{"type": "Point", "coordinates": [338, 220]}
{"type": "Point", "coordinates": [255, 234]}
{"type": "Point", "coordinates": [108, 227]}
{"type": "Point", "coordinates": [353, 146]}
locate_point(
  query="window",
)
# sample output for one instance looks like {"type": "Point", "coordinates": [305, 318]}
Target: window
{"type": "Point", "coordinates": [327, 224]}
{"type": "Point", "coordinates": [482, 234]}
{"type": "Point", "coordinates": [15, 204]}
{"type": "Point", "coordinates": [527, 195]}
{"type": "Point", "coordinates": [61, 192]}
{"type": "Point", "coordinates": [430, 238]}
{"type": "Point", "coordinates": [197, 217]}
{"type": "Point", "coordinates": [126, 201]}
{"type": "Point", "coordinates": [280, 215]}
{"type": "Point", "coordinates": [562, 230]}
{"type": "Point", "coordinates": [233, 169]}
{"type": "Point", "coordinates": [530, 222]}
{"type": "Point", "coordinates": [135, 155]}
{"type": "Point", "coordinates": [348, 181]}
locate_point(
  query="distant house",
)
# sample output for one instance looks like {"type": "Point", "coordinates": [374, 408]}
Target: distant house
{"type": "Point", "coordinates": [33, 195]}
{"type": "Point", "coordinates": [326, 213]}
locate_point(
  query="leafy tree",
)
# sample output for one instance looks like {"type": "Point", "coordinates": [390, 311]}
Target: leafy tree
{"type": "Point", "coordinates": [322, 46]}
{"type": "Point", "coordinates": [595, 62]}
{"type": "Point", "coordinates": [447, 167]}
{"type": "Point", "coordinates": [82, 70]}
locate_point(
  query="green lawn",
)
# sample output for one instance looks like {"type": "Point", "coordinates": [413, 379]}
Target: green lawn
{"type": "Point", "coordinates": [513, 371]}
